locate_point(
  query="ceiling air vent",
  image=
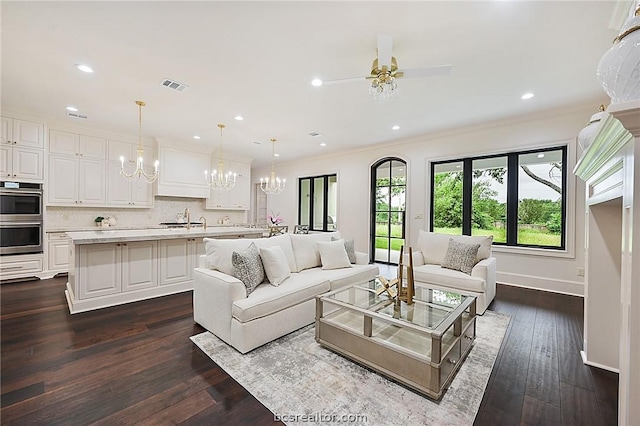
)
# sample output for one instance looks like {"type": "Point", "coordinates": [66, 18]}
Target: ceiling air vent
{"type": "Point", "coordinates": [76, 115]}
{"type": "Point", "coordinates": [172, 84]}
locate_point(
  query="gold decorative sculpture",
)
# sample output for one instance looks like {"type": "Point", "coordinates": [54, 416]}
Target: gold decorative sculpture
{"type": "Point", "coordinates": [406, 292]}
{"type": "Point", "coordinates": [402, 292]}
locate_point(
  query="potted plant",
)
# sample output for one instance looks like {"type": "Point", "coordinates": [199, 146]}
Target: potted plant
{"type": "Point", "coordinates": [98, 220]}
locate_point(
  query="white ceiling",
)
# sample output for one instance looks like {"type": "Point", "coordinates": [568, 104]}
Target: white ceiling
{"type": "Point", "coordinates": [257, 59]}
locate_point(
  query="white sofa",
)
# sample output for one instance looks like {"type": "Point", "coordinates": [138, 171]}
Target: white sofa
{"type": "Point", "coordinates": [221, 304]}
{"type": "Point", "coordinates": [430, 254]}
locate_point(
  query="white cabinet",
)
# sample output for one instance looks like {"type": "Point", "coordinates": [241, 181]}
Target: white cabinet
{"type": "Point", "coordinates": [21, 163]}
{"type": "Point", "coordinates": [178, 258]}
{"type": "Point", "coordinates": [22, 150]}
{"type": "Point", "coordinates": [73, 144]}
{"type": "Point", "coordinates": [57, 252]}
{"type": "Point", "coordinates": [23, 133]}
{"type": "Point", "coordinates": [238, 198]}
{"type": "Point", "coordinates": [181, 172]}
{"type": "Point", "coordinates": [100, 269]}
{"type": "Point", "coordinates": [139, 268]}
{"type": "Point", "coordinates": [106, 269]}
{"type": "Point", "coordinates": [76, 181]}
{"type": "Point", "coordinates": [127, 192]}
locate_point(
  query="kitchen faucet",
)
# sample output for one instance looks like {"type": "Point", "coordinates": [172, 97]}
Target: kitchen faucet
{"type": "Point", "coordinates": [203, 220]}
{"type": "Point", "coordinates": [187, 214]}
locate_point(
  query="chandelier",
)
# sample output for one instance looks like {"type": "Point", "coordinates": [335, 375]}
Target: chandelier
{"type": "Point", "coordinates": [273, 184]}
{"type": "Point", "coordinates": [139, 172]}
{"type": "Point", "coordinates": [383, 81]}
{"type": "Point", "coordinates": [219, 180]}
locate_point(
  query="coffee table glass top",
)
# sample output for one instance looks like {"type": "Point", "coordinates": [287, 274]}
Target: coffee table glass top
{"type": "Point", "coordinates": [430, 308]}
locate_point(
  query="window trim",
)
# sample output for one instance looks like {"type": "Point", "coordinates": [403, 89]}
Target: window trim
{"type": "Point", "coordinates": [566, 244]}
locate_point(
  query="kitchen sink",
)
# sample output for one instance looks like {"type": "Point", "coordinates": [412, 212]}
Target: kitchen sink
{"type": "Point", "coordinates": [181, 225]}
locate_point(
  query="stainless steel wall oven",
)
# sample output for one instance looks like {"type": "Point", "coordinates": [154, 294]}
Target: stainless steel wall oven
{"type": "Point", "coordinates": [21, 218]}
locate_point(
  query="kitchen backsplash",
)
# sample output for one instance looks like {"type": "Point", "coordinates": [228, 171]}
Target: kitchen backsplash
{"type": "Point", "coordinates": [164, 210]}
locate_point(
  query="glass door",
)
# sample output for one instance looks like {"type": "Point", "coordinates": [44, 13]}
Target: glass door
{"type": "Point", "coordinates": [388, 189]}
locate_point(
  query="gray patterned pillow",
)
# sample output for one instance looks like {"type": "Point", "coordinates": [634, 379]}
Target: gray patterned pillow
{"type": "Point", "coordinates": [248, 267]}
{"type": "Point", "coordinates": [460, 256]}
{"type": "Point", "coordinates": [349, 245]}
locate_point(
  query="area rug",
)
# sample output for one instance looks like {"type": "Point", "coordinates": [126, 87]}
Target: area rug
{"type": "Point", "coordinates": [301, 382]}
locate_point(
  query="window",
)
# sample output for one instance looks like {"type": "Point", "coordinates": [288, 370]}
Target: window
{"type": "Point", "coordinates": [518, 197]}
{"type": "Point", "coordinates": [388, 189]}
{"type": "Point", "coordinates": [318, 202]}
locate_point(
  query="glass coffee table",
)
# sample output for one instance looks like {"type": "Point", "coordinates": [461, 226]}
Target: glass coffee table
{"type": "Point", "coordinates": [420, 345]}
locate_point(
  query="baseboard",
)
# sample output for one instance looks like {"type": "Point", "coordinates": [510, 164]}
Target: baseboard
{"type": "Point", "coordinates": [573, 288]}
{"type": "Point", "coordinates": [585, 361]}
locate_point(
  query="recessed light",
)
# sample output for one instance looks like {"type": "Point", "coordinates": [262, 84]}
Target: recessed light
{"type": "Point", "coordinates": [256, 142]}
{"type": "Point", "coordinates": [396, 127]}
{"type": "Point", "coordinates": [276, 155]}
{"type": "Point", "coordinates": [314, 134]}
{"type": "Point", "coordinates": [316, 82]}
{"type": "Point", "coordinates": [70, 108]}
{"type": "Point", "coordinates": [527, 95]}
{"type": "Point", "coordinates": [84, 68]}
{"type": "Point", "coordinates": [540, 155]}
{"type": "Point", "coordinates": [196, 137]}
{"type": "Point", "coordinates": [239, 117]}
{"type": "Point", "coordinates": [323, 144]}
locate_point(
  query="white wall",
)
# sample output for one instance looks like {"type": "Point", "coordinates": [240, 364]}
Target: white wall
{"type": "Point", "coordinates": [518, 266]}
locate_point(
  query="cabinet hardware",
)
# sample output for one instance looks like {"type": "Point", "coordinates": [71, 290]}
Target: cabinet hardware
{"type": "Point", "coordinates": [452, 361]}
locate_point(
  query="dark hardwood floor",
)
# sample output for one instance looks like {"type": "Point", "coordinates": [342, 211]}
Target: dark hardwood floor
{"type": "Point", "coordinates": [539, 377]}
{"type": "Point", "coordinates": [135, 364]}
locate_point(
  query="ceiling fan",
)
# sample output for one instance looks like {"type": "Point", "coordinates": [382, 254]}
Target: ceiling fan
{"type": "Point", "coordinates": [384, 71]}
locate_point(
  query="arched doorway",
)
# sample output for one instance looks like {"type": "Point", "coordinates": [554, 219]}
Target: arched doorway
{"type": "Point", "coordinates": [388, 189]}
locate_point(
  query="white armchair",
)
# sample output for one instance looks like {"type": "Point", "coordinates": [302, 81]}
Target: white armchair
{"type": "Point", "coordinates": [427, 269]}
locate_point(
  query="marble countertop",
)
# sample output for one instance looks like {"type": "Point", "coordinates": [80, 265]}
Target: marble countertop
{"type": "Point", "coordinates": [110, 235]}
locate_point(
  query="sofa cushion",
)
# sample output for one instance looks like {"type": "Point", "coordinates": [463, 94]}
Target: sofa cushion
{"type": "Point", "coordinates": [435, 274]}
{"type": "Point", "coordinates": [460, 256]}
{"type": "Point", "coordinates": [267, 299]}
{"type": "Point", "coordinates": [275, 264]}
{"type": "Point", "coordinates": [219, 251]}
{"type": "Point", "coordinates": [350, 246]}
{"type": "Point", "coordinates": [248, 267]}
{"type": "Point", "coordinates": [434, 245]}
{"type": "Point", "coordinates": [333, 254]}
{"type": "Point", "coordinates": [305, 250]}
{"type": "Point", "coordinates": [339, 278]}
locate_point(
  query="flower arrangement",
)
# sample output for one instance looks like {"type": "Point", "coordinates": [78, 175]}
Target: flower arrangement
{"type": "Point", "coordinates": [105, 221]}
{"type": "Point", "coordinates": [275, 219]}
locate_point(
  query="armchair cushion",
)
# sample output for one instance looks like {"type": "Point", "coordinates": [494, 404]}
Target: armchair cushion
{"type": "Point", "coordinates": [460, 256]}
{"type": "Point", "coordinates": [435, 274]}
{"type": "Point", "coordinates": [434, 245]}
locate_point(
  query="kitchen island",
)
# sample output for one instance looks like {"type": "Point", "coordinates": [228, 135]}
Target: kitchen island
{"type": "Point", "coordinates": [110, 267]}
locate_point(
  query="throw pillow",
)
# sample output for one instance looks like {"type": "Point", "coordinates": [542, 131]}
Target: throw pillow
{"type": "Point", "coordinates": [333, 254]}
{"type": "Point", "coordinates": [275, 264]}
{"type": "Point", "coordinates": [350, 246]}
{"type": "Point", "coordinates": [305, 250]}
{"type": "Point", "coordinates": [460, 256]}
{"type": "Point", "coordinates": [248, 267]}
